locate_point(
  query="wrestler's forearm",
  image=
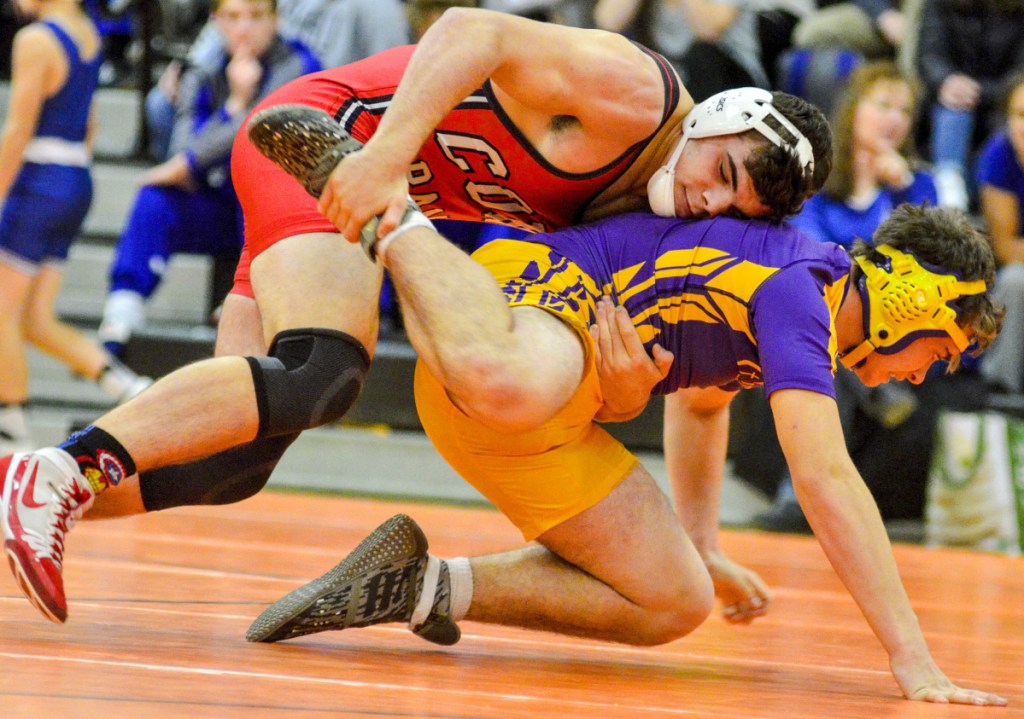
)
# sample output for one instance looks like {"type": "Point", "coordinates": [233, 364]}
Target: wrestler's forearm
{"type": "Point", "coordinates": [696, 438]}
{"type": "Point", "coordinates": [844, 517]}
{"type": "Point", "coordinates": [454, 58]}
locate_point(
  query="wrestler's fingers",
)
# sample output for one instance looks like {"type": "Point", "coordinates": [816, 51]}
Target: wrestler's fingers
{"type": "Point", "coordinates": [326, 198]}
{"type": "Point", "coordinates": [352, 229]}
{"type": "Point", "coordinates": [605, 334]}
{"type": "Point", "coordinates": [628, 337]}
{"type": "Point", "coordinates": [663, 359]}
{"type": "Point", "coordinates": [759, 589]}
{"type": "Point", "coordinates": [392, 216]}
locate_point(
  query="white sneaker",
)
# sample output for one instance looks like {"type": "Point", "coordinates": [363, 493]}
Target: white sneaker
{"type": "Point", "coordinates": [43, 494]}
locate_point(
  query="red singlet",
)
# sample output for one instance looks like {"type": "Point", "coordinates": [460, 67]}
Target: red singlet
{"type": "Point", "coordinates": [475, 166]}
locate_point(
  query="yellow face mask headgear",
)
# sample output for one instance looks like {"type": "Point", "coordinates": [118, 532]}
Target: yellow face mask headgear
{"type": "Point", "coordinates": [903, 302]}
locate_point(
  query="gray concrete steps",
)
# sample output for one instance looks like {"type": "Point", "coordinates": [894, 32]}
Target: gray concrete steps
{"type": "Point", "coordinates": [183, 296]}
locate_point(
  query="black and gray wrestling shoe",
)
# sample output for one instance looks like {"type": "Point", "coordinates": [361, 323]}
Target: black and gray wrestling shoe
{"type": "Point", "coordinates": [381, 581]}
{"type": "Point", "coordinates": [308, 144]}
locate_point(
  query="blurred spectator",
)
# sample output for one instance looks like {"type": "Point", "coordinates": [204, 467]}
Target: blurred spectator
{"type": "Point", "coordinates": [335, 31]}
{"type": "Point", "coordinates": [874, 165]}
{"type": "Point", "coordinates": [816, 75]}
{"type": "Point", "coordinates": [776, 21]}
{"type": "Point", "coordinates": [187, 203]}
{"type": "Point", "coordinates": [117, 32]}
{"type": "Point", "coordinates": [875, 29]}
{"type": "Point", "coordinates": [714, 44]}
{"type": "Point", "coordinates": [967, 48]}
{"type": "Point", "coordinates": [1000, 176]}
{"type": "Point", "coordinates": [45, 191]}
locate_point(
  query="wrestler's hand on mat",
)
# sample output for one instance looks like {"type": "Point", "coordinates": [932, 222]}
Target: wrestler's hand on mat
{"type": "Point", "coordinates": [744, 595]}
{"type": "Point", "coordinates": [362, 186]}
{"type": "Point", "coordinates": [627, 372]}
{"type": "Point", "coordinates": [922, 680]}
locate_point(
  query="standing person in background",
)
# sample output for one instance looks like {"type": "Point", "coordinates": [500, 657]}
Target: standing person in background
{"type": "Point", "coordinates": [1000, 176]}
{"type": "Point", "coordinates": [187, 203]}
{"type": "Point", "coordinates": [713, 44]}
{"type": "Point", "coordinates": [967, 48]}
{"type": "Point", "coordinates": [46, 190]}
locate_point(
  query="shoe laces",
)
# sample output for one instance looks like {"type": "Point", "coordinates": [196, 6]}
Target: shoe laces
{"type": "Point", "coordinates": [67, 505]}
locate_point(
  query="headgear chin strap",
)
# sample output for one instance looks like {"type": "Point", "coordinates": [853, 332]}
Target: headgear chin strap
{"type": "Point", "coordinates": [903, 302]}
{"type": "Point", "coordinates": [727, 113]}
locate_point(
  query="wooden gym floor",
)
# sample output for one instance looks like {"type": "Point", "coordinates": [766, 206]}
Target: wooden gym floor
{"type": "Point", "coordinates": [159, 606]}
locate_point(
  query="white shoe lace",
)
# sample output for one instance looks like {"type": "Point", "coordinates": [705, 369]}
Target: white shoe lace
{"type": "Point", "coordinates": [68, 504]}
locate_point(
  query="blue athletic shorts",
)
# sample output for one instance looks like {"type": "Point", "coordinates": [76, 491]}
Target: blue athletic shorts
{"type": "Point", "coordinates": [43, 214]}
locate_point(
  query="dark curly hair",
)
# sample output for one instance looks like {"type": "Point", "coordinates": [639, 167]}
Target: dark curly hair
{"type": "Point", "coordinates": [778, 178]}
{"type": "Point", "coordinates": [945, 238]}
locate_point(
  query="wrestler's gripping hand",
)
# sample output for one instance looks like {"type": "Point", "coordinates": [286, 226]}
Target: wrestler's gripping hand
{"type": "Point", "coordinates": [367, 183]}
{"type": "Point", "coordinates": [744, 595]}
{"type": "Point", "coordinates": [627, 372]}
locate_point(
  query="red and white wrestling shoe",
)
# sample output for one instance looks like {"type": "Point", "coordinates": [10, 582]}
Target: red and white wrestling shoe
{"type": "Point", "coordinates": [44, 493]}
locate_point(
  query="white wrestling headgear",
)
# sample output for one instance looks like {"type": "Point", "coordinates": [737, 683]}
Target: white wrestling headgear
{"type": "Point", "coordinates": [727, 113]}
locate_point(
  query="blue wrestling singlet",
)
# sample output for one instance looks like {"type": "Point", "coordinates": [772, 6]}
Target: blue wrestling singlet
{"type": "Point", "coordinates": [50, 197]}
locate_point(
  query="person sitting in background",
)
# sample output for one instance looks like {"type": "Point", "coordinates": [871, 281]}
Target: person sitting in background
{"type": "Point", "coordinates": [337, 33]}
{"type": "Point", "coordinates": [875, 167]}
{"type": "Point", "coordinates": [713, 44]}
{"type": "Point", "coordinates": [1000, 177]}
{"type": "Point", "coordinates": [967, 47]}
{"type": "Point", "coordinates": [46, 191]}
{"type": "Point", "coordinates": [874, 170]}
{"type": "Point", "coordinates": [187, 203]}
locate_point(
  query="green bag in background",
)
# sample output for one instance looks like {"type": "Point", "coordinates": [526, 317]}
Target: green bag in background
{"type": "Point", "coordinates": [975, 493]}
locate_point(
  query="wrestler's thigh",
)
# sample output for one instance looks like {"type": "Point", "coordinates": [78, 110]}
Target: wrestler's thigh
{"type": "Point", "coordinates": [240, 328]}
{"type": "Point", "coordinates": [548, 358]}
{"type": "Point", "coordinates": [317, 280]}
{"type": "Point", "coordinates": [633, 541]}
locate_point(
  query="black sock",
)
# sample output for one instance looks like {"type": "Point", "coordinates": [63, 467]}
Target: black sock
{"type": "Point", "coordinates": [101, 458]}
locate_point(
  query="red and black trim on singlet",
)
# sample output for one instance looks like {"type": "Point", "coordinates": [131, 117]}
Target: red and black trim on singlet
{"type": "Point", "coordinates": [353, 108]}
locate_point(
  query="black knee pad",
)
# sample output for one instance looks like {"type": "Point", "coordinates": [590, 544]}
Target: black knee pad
{"type": "Point", "coordinates": [229, 476]}
{"type": "Point", "coordinates": [312, 377]}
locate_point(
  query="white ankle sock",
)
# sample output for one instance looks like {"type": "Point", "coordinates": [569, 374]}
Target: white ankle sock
{"type": "Point", "coordinates": [460, 573]}
{"type": "Point", "coordinates": [460, 578]}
